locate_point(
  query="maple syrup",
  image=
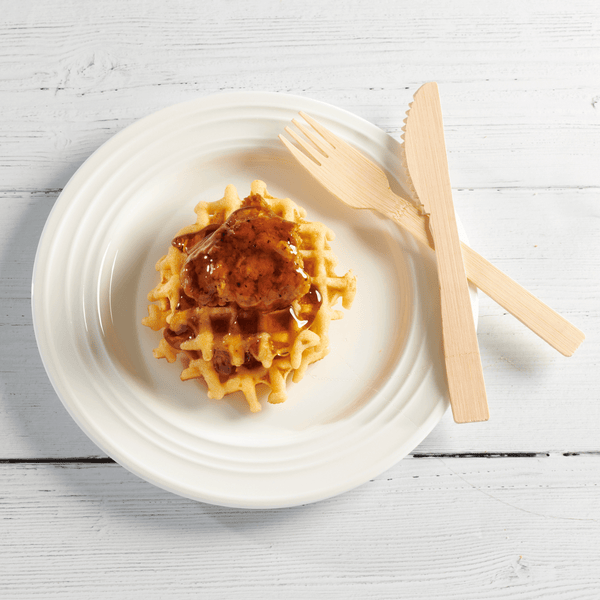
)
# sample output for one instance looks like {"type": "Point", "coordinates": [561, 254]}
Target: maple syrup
{"type": "Point", "coordinates": [252, 264]}
{"type": "Point", "coordinates": [187, 241]}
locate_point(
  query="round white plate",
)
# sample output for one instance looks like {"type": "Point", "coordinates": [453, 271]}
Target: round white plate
{"type": "Point", "coordinates": [357, 412]}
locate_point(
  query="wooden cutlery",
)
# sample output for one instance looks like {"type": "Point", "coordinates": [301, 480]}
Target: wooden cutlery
{"type": "Point", "coordinates": [424, 152]}
{"type": "Point", "coordinates": [358, 182]}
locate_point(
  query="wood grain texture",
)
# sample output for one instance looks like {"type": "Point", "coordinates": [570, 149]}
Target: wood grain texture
{"type": "Point", "coordinates": [427, 166]}
{"type": "Point", "coordinates": [520, 84]}
{"type": "Point", "coordinates": [518, 81]}
{"type": "Point", "coordinates": [524, 528]}
{"type": "Point", "coordinates": [527, 381]}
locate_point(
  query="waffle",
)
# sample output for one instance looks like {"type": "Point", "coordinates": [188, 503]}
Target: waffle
{"type": "Point", "coordinates": [216, 344]}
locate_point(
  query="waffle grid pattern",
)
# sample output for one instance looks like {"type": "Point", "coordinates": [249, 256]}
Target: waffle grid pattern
{"type": "Point", "coordinates": [279, 354]}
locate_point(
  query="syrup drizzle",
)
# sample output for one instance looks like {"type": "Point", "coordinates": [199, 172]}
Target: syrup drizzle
{"type": "Point", "coordinates": [251, 263]}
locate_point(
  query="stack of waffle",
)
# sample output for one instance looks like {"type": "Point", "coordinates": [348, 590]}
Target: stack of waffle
{"type": "Point", "coordinates": [209, 339]}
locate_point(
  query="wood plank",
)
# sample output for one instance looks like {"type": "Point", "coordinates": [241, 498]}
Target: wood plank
{"type": "Point", "coordinates": [517, 82]}
{"type": "Point", "coordinates": [480, 529]}
{"type": "Point", "coordinates": [538, 398]}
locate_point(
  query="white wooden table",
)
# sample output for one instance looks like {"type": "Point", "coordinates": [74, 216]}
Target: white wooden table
{"type": "Point", "coordinates": [505, 509]}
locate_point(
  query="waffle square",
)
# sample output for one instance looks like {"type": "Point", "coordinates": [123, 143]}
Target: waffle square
{"type": "Point", "coordinates": [276, 348]}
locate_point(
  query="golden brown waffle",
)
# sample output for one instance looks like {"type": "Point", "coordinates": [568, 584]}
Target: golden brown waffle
{"type": "Point", "coordinates": [278, 348]}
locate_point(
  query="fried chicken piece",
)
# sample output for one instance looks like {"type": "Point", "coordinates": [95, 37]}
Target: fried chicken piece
{"type": "Point", "coordinates": [251, 260]}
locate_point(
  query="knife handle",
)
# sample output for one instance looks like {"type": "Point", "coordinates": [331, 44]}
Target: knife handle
{"type": "Point", "coordinates": [514, 298]}
{"type": "Point", "coordinates": [466, 385]}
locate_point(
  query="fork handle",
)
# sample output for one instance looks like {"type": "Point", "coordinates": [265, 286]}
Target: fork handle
{"type": "Point", "coordinates": [522, 304]}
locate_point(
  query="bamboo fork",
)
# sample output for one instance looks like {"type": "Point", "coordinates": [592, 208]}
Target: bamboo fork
{"type": "Point", "coordinates": [359, 183]}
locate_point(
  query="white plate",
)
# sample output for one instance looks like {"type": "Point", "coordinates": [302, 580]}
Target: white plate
{"type": "Point", "coordinates": [356, 413]}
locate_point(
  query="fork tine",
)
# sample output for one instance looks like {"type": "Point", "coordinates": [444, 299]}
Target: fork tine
{"type": "Point", "coordinates": [320, 142]}
{"type": "Point", "coordinates": [312, 152]}
{"type": "Point", "coordinates": [306, 162]}
{"type": "Point", "coordinates": [323, 131]}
